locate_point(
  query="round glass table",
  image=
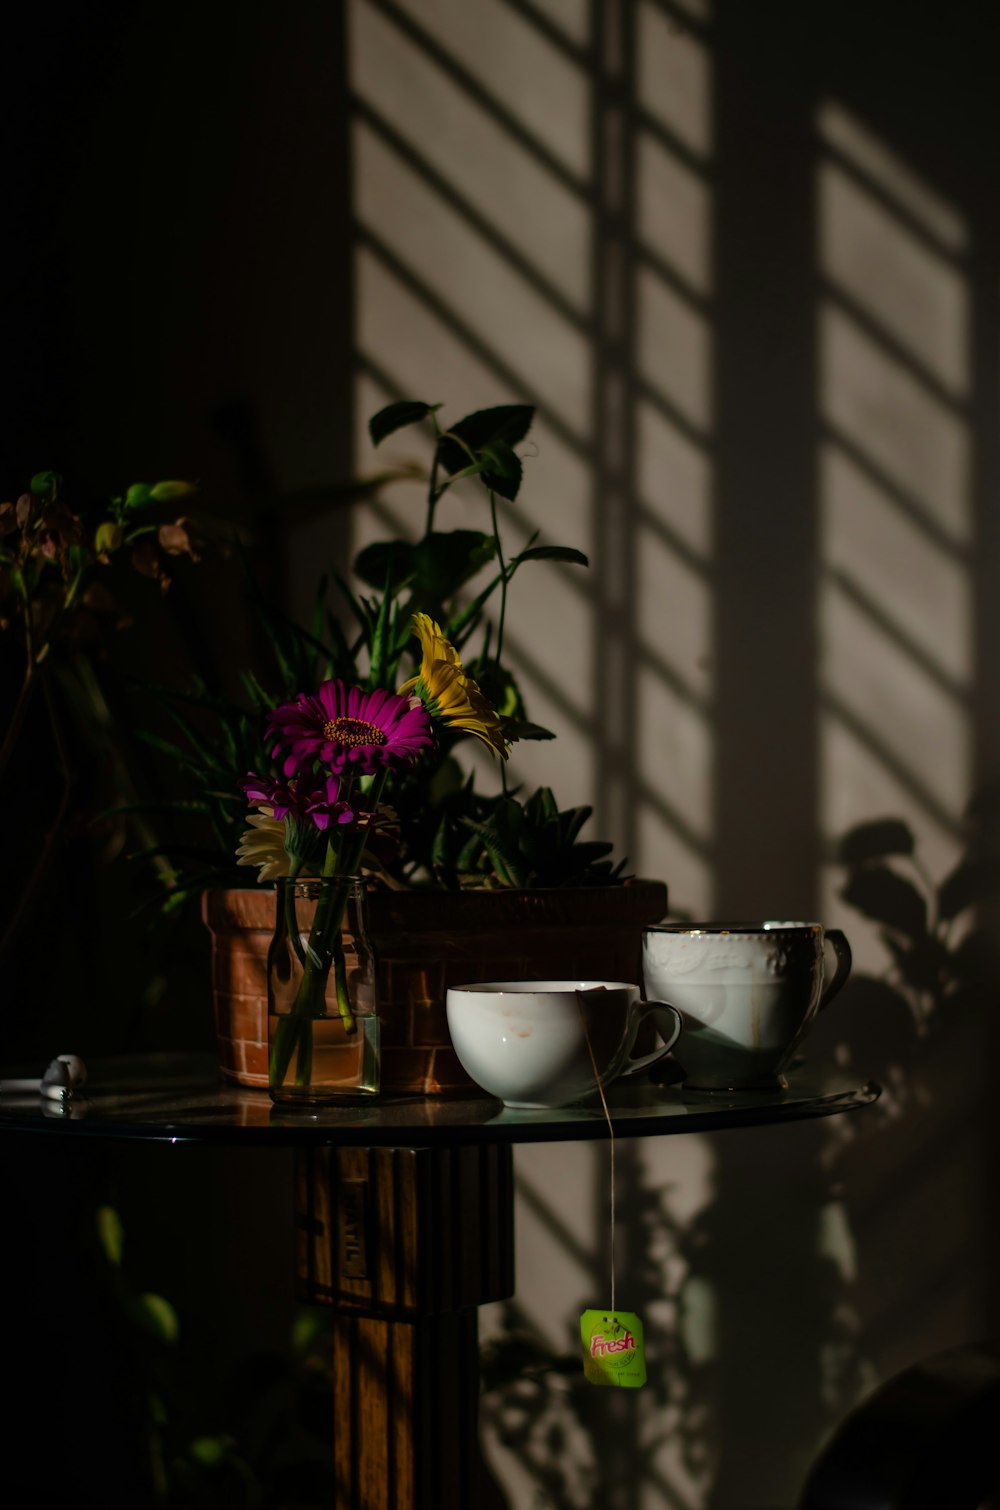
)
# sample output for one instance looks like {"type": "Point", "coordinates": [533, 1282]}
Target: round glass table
{"type": "Point", "coordinates": [405, 1226]}
{"type": "Point", "coordinates": [180, 1098]}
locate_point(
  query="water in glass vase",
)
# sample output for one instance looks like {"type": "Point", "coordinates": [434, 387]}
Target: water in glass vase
{"type": "Point", "coordinates": [319, 976]}
{"type": "Point", "coordinates": [335, 1066]}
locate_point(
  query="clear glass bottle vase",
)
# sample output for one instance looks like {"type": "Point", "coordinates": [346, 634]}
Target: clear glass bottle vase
{"type": "Point", "coordinates": [322, 1025]}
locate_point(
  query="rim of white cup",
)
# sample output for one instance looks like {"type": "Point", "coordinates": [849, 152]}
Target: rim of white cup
{"type": "Point", "coordinates": [542, 988]}
{"type": "Point", "coordinates": [739, 929]}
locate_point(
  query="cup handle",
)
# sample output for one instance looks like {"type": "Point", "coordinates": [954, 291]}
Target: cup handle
{"type": "Point", "coordinates": [659, 1009]}
{"type": "Point", "coordinates": [842, 950]}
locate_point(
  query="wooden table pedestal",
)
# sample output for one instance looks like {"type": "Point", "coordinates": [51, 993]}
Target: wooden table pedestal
{"type": "Point", "coordinates": [405, 1244]}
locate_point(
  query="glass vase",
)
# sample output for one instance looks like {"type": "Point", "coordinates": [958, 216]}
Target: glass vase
{"type": "Point", "coordinates": [322, 1026]}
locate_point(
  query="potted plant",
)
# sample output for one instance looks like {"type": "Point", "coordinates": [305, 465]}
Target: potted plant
{"type": "Point", "coordinates": [462, 882]}
{"type": "Point", "coordinates": [73, 577]}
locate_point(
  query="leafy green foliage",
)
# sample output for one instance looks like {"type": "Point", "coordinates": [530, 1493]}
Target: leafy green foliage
{"type": "Point", "coordinates": [434, 569]}
{"type": "Point", "coordinates": [396, 417]}
{"type": "Point", "coordinates": [533, 844]}
{"type": "Point", "coordinates": [449, 834]}
{"type": "Point", "coordinates": [488, 437]}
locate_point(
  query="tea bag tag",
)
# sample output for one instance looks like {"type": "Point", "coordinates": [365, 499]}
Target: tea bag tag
{"type": "Point", "coordinates": [613, 1349]}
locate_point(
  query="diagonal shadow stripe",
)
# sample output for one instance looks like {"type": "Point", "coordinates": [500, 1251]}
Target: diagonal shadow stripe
{"type": "Point", "coordinates": [486, 101]}
{"type": "Point", "coordinates": [673, 679]}
{"type": "Point", "coordinates": [583, 723]}
{"type": "Point", "coordinates": [898, 636]}
{"type": "Point", "coordinates": [905, 218]}
{"type": "Point", "coordinates": [893, 348]}
{"type": "Point", "coordinates": [490, 232]}
{"type": "Point", "coordinates": [910, 507]}
{"type": "Point", "coordinates": [670, 411]}
{"type": "Point", "coordinates": [646, 256]}
{"type": "Point", "coordinates": [556, 1228]}
{"type": "Point", "coordinates": [674, 542]}
{"type": "Point", "coordinates": [585, 57]}
{"type": "Point", "coordinates": [470, 339]}
{"type": "Point", "coordinates": [696, 25]}
{"type": "Point", "coordinates": [674, 819]}
{"type": "Point", "coordinates": [674, 144]}
{"type": "Point", "coordinates": [904, 777]}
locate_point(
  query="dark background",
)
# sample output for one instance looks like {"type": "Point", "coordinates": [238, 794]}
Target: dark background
{"type": "Point", "coordinates": [175, 303]}
{"type": "Point", "coordinates": [176, 297]}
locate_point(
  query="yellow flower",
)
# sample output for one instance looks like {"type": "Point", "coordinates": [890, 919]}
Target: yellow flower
{"type": "Point", "coordinates": [264, 845]}
{"type": "Point", "coordinates": [448, 694]}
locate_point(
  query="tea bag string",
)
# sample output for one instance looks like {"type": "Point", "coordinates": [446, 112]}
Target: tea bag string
{"type": "Point", "coordinates": [611, 1137]}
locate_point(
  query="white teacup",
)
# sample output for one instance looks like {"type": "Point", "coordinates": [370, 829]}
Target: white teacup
{"type": "Point", "coordinates": [525, 1041]}
{"type": "Point", "coordinates": [747, 993]}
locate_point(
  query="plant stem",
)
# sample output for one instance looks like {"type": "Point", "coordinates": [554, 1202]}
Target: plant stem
{"type": "Point", "coordinates": [503, 574]}
{"type": "Point", "coordinates": [293, 1035]}
{"type": "Point", "coordinates": [432, 485]}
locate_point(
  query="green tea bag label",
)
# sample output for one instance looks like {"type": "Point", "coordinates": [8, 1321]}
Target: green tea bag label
{"type": "Point", "coordinates": [613, 1351]}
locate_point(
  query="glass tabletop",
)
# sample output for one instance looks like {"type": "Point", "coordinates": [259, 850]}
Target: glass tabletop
{"type": "Point", "coordinates": [181, 1099]}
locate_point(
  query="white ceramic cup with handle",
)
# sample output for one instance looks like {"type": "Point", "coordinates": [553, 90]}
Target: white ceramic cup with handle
{"type": "Point", "coordinates": [526, 1041]}
{"type": "Point", "coordinates": [747, 994]}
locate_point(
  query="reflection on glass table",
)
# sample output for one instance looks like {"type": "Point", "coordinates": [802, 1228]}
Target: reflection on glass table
{"type": "Point", "coordinates": [405, 1217]}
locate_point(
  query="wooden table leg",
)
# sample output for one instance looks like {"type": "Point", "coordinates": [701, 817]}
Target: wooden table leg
{"type": "Point", "coordinates": [405, 1243]}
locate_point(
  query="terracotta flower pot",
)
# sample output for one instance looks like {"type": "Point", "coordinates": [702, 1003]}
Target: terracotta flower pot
{"type": "Point", "coordinates": [424, 942]}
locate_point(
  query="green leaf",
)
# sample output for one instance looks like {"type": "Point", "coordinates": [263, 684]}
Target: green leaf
{"type": "Point", "coordinates": [167, 747]}
{"type": "Point", "coordinates": [46, 485]}
{"type": "Point", "coordinates": [442, 563]}
{"type": "Point", "coordinates": [506, 422]}
{"type": "Point", "coordinates": [157, 1316]}
{"type": "Point", "coordinates": [380, 639]}
{"type": "Point", "coordinates": [517, 728]}
{"type": "Point", "coordinates": [385, 559]}
{"type": "Point", "coordinates": [211, 1451]}
{"type": "Point", "coordinates": [502, 469]}
{"type": "Point", "coordinates": [463, 624]}
{"type": "Point", "coordinates": [261, 700]}
{"type": "Point", "coordinates": [873, 841]}
{"type": "Point", "coordinates": [208, 755]}
{"type": "Point", "coordinates": [886, 897]}
{"type": "Point", "coordinates": [396, 417]}
{"type": "Point", "coordinates": [110, 1233]}
{"type": "Point", "coordinates": [139, 496]}
{"type": "Point", "coordinates": [190, 806]}
{"type": "Point", "coordinates": [550, 553]}
{"type": "Point", "coordinates": [503, 855]}
{"type": "Point", "coordinates": [308, 1328]}
{"type": "Point", "coordinates": [166, 492]}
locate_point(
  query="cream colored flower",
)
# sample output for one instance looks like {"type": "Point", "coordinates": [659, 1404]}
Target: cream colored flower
{"type": "Point", "coordinates": [264, 845]}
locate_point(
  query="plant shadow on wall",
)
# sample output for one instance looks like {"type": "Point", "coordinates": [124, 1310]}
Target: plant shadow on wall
{"type": "Point", "coordinates": [581, 1444]}
{"type": "Point", "coordinates": [904, 1028]}
{"type": "Point", "coordinates": [943, 957]}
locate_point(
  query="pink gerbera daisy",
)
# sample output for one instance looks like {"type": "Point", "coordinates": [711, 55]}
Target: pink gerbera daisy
{"type": "Point", "coordinates": [310, 799]}
{"type": "Point", "coordinates": [346, 725]}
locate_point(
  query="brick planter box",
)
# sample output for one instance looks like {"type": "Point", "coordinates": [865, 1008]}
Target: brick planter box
{"type": "Point", "coordinates": [424, 942]}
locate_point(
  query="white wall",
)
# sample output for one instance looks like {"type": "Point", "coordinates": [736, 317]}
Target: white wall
{"type": "Point", "coordinates": [538, 214]}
